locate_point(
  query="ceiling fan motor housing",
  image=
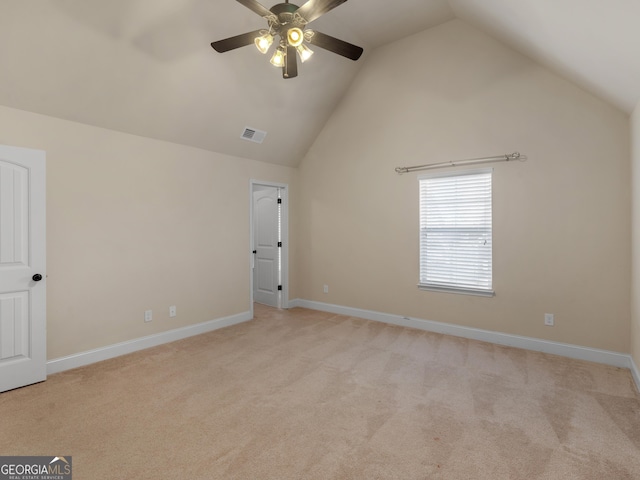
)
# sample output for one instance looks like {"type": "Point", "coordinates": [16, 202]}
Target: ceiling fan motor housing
{"type": "Point", "coordinates": [286, 18]}
{"type": "Point", "coordinates": [280, 8]}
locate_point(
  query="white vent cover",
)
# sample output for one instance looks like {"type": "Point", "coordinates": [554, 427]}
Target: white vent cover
{"type": "Point", "coordinates": [253, 134]}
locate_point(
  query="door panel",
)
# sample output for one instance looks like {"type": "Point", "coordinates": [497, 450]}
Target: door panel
{"type": "Point", "coordinates": [14, 325]}
{"type": "Point", "coordinates": [265, 273]}
{"type": "Point", "coordinates": [13, 212]}
{"type": "Point", "coordinates": [22, 254]}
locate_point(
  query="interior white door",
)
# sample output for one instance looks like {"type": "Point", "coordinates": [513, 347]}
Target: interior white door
{"type": "Point", "coordinates": [267, 253]}
{"type": "Point", "coordinates": [23, 337]}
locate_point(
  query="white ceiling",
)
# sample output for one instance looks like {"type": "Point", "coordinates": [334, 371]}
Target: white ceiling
{"type": "Point", "coordinates": [146, 66]}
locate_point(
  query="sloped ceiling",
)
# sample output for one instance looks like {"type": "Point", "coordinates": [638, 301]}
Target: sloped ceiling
{"type": "Point", "coordinates": [146, 67]}
{"type": "Point", "coordinates": [594, 43]}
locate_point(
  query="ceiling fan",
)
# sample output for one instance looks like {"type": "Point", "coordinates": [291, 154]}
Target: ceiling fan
{"type": "Point", "coordinates": [288, 22]}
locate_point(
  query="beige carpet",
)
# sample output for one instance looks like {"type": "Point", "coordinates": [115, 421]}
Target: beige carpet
{"type": "Point", "coordinates": [301, 394]}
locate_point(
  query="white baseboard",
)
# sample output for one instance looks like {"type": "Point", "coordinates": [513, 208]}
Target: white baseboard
{"type": "Point", "coordinates": [563, 349]}
{"type": "Point", "coordinates": [566, 350]}
{"type": "Point", "coordinates": [104, 353]}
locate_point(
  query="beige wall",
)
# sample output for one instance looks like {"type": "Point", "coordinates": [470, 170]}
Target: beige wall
{"type": "Point", "coordinates": [635, 225]}
{"type": "Point", "coordinates": [136, 224]}
{"type": "Point", "coordinates": [561, 220]}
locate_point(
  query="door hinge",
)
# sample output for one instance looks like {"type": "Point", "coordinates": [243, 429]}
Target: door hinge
{"type": "Point", "coordinates": [279, 287]}
{"type": "Point", "coordinates": [279, 244]}
{"type": "Point", "coordinates": [279, 200]}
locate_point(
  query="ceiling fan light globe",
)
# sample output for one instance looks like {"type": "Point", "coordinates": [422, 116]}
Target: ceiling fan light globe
{"type": "Point", "coordinates": [304, 52]}
{"type": "Point", "coordinates": [263, 42]}
{"type": "Point", "coordinates": [295, 36]}
{"type": "Point", "coordinates": [277, 60]}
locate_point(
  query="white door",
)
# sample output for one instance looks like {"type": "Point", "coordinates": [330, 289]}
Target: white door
{"type": "Point", "coordinates": [23, 336]}
{"type": "Point", "coordinates": [266, 233]}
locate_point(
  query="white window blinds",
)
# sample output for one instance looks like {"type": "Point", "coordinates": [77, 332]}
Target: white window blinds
{"type": "Point", "coordinates": [455, 233]}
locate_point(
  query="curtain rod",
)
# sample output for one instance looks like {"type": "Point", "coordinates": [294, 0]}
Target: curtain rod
{"type": "Point", "coordinates": [498, 158]}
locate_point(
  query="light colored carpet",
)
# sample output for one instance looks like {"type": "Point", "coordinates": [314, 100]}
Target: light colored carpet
{"type": "Point", "coordinates": [301, 394]}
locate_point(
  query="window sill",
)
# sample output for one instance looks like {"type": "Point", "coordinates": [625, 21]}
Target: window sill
{"type": "Point", "coordinates": [459, 291]}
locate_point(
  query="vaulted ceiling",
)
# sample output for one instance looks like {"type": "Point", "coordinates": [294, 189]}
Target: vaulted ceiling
{"type": "Point", "coordinates": [146, 66]}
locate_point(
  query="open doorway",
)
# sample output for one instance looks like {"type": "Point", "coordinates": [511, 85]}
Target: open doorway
{"type": "Point", "coordinates": [269, 244]}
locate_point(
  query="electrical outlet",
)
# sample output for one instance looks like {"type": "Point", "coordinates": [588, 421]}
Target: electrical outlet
{"type": "Point", "coordinates": [148, 315]}
{"type": "Point", "coordinates": [549, 319]}
{"type": "Point", "coordinates": [326, 289]}
{"type": "Point", "coordinates": [172, 311]}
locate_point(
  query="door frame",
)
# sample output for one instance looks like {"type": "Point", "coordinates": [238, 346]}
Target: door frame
{"type": "Point", "coordinates": [284, 234]}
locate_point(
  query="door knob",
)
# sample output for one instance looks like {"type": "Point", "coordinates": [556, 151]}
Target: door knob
{"type": "Point", "coordinates": [37, 277]}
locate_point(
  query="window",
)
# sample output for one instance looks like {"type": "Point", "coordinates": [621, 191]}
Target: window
{"type": "Point", "coordinates": [455, 233]}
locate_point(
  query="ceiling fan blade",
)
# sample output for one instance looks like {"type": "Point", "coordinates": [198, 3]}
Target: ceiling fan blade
{"type": "Point", "coordinates": [335, 45]}
{"type": "Point", "coordinates": [256, 7]}
{"type": "Point", "coordinates": [238, 41]}
{"type": "Point", "coordinates": [312, 9]}
{"type": "Point", "coordinates": [290, 68]}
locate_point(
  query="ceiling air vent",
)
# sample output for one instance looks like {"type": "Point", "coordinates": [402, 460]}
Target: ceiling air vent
{"type": "Point", "coordinates": [253, 135]}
